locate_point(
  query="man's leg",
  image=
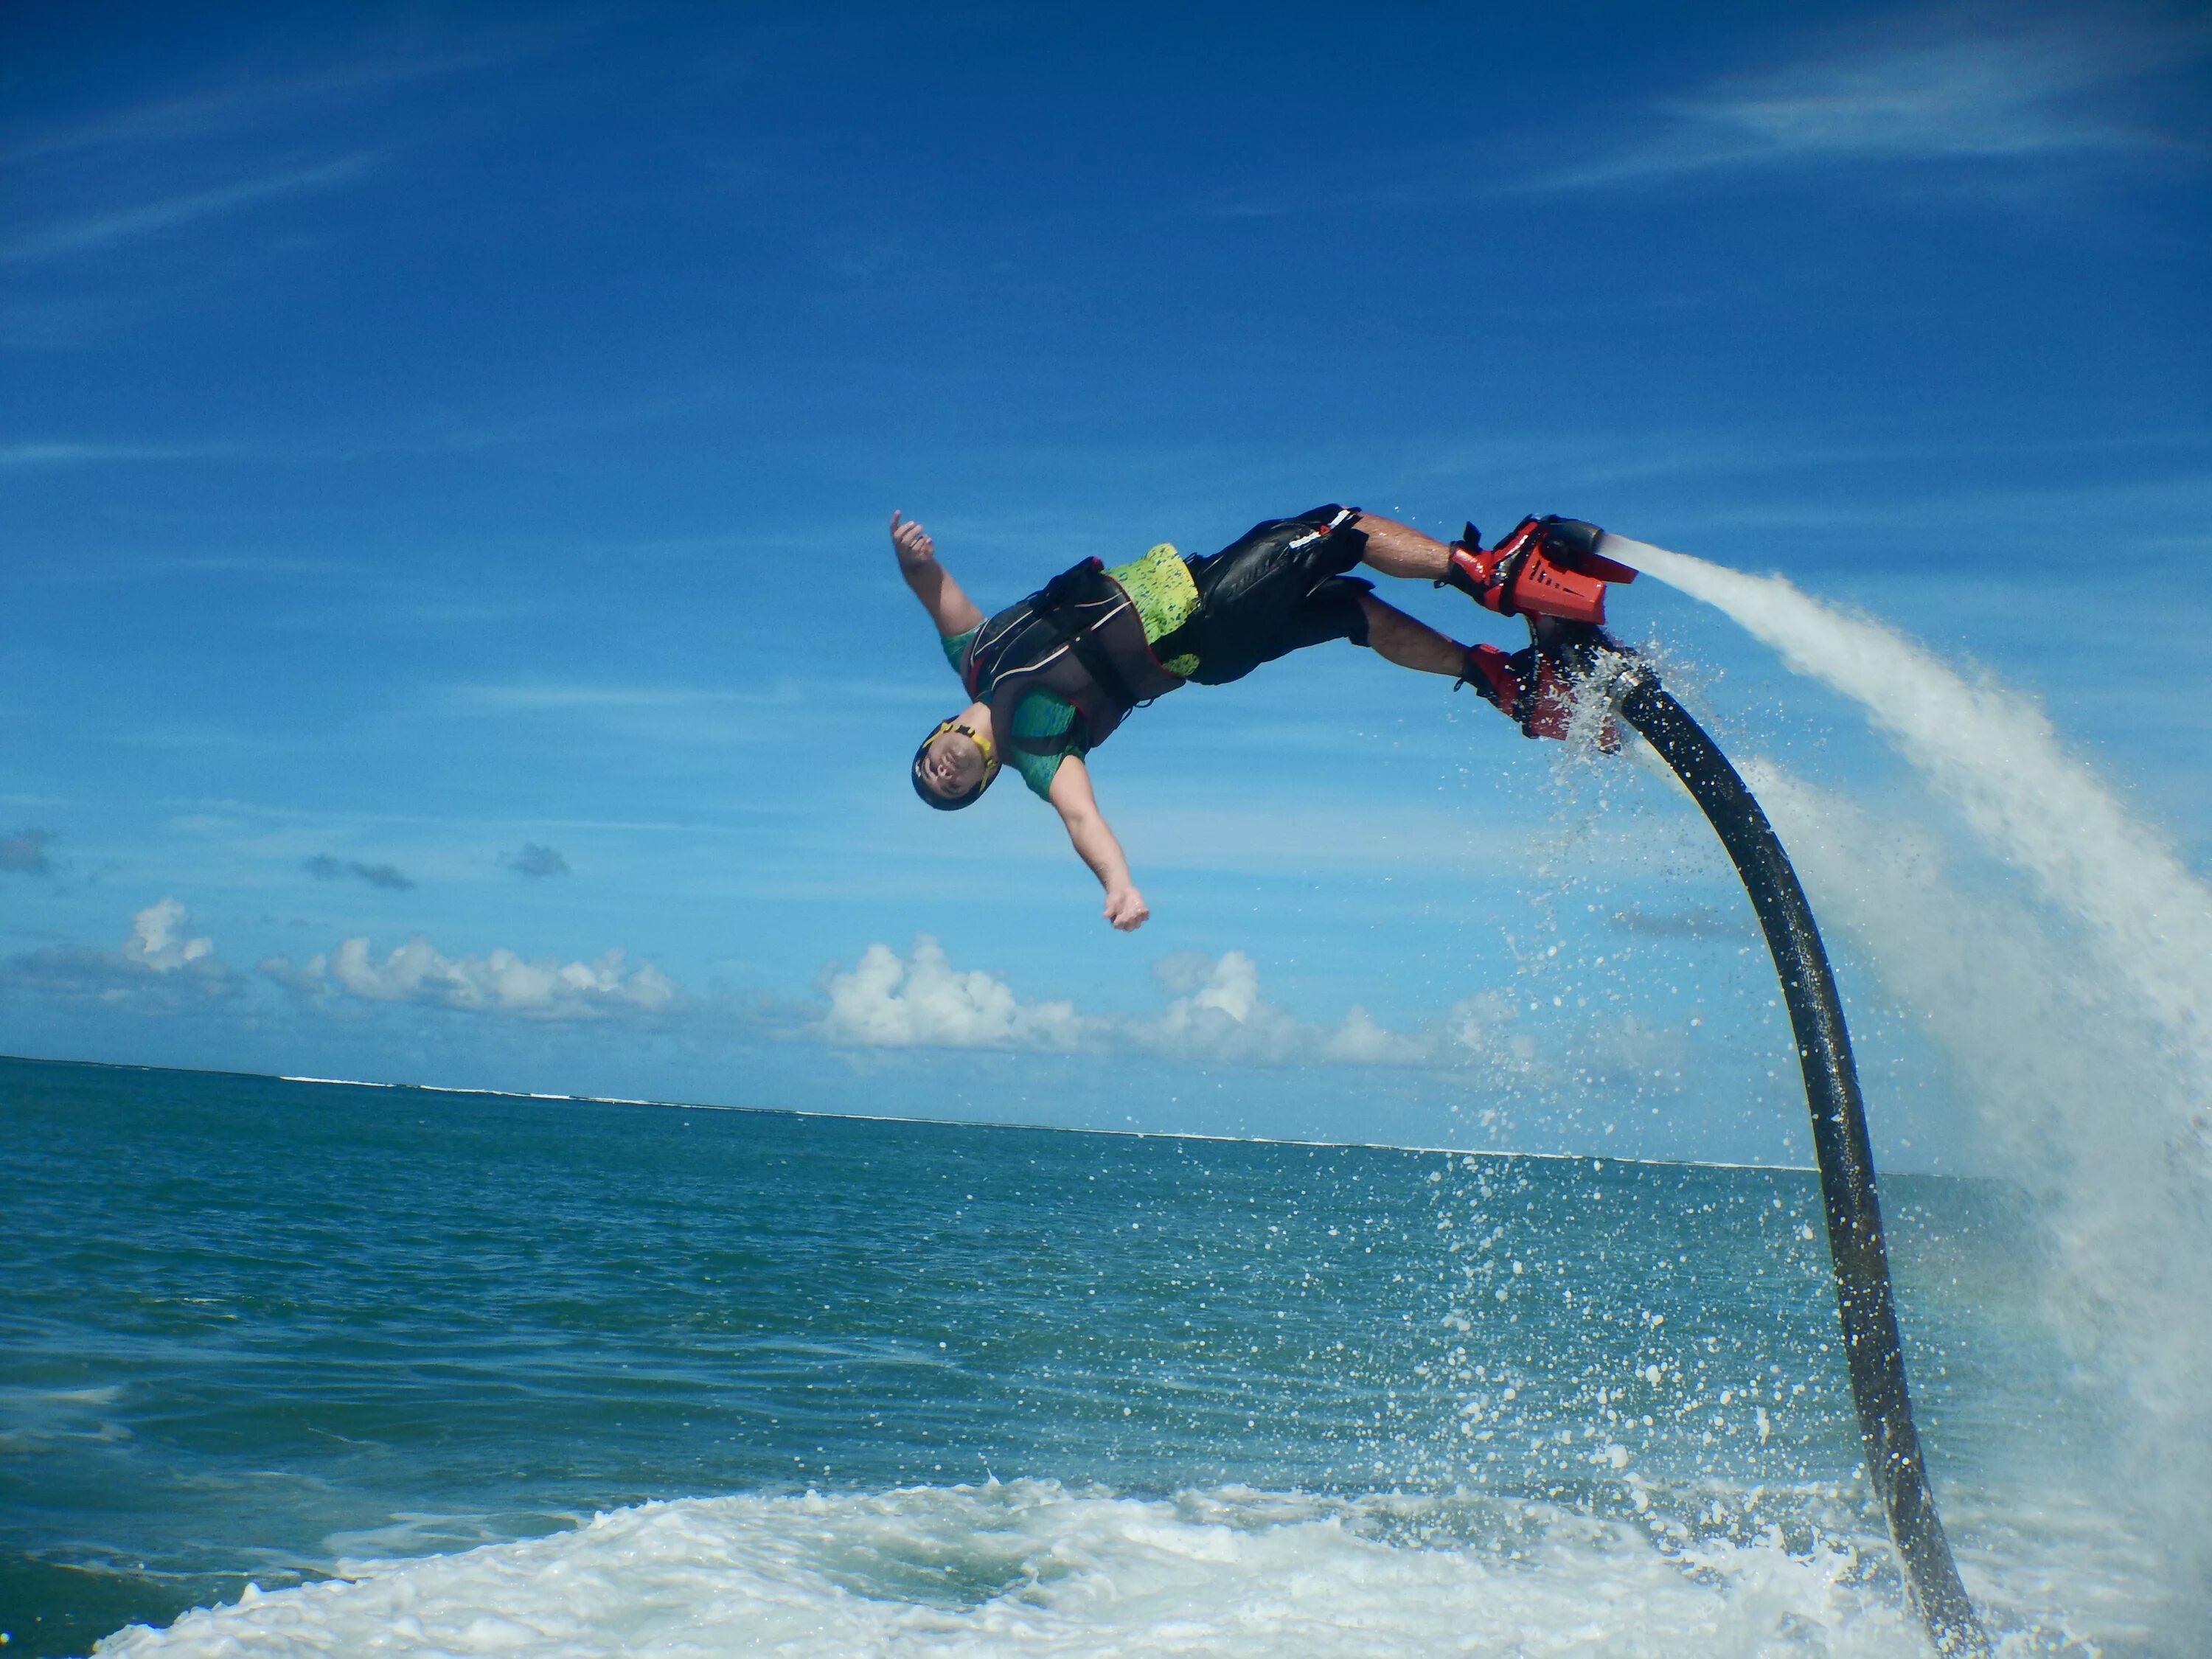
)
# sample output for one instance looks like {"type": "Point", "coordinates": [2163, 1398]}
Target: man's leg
{"type": "Point", "coordinates": [1499, 680]}
{"type": "Point", "coordinates": [1398, 549]}
{"type": "Point", "coordinates": [1403, 640]}
{"type": "Point", "coordinates": [1522, 687]}
{"type": "Point", "coordinates": [1259, 598]}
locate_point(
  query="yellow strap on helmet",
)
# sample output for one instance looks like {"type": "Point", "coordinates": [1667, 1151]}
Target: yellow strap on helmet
{"type": "Point", "coordinates": [990, 750]}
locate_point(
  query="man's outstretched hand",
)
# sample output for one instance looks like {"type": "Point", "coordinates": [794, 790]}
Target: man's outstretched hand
{"type": "Point", "coordinates": [952, 611]}
{"type": "Point", "coordinates": [911, 542]}
{"type": "Point", "coordinates": [1127, 909]}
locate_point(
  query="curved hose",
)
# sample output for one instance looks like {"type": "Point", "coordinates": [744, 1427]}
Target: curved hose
{"type": "Point", "coordinates": [1840, 1145]}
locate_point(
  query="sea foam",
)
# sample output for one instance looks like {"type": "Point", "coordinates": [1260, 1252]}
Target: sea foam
{"type": "Point", "coordinates": [1033, 1568]}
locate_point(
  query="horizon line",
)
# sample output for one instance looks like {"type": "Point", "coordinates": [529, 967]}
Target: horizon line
{"type": "Point", "coordinates": [939, 1122]}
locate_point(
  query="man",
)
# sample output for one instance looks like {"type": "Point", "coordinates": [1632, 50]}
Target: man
{"type": "Point", "coordinates": [1051, 677]}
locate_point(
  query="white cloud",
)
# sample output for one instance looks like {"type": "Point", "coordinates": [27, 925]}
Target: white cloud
{"type": "Point", "coordinates": [1360, 1041]}
{"type": "Point", "coordinates": [1622, 1051]}
{"type": "Point", "coordinates": [1221, 1016]}
{"type": "Point", "coordinates": [924, 1002]}
{"type": "Point", "coordinates": [154, 941]}
{"type": "Point", "coordinates": [156, 970]}
{"type": "Point", "coordinates": [498, 982]}
{"type": "Point", "coordinates": [1480, 1025]}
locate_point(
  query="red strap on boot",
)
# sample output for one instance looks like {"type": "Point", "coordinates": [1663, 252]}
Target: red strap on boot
{"type": "Point", "coordinates": [1549, 710]}
{"type": "Point", "coordinates": [1529, 690]}
{"type": "Point", "coordinates": [1474, 572]}
{"type": "Point", "coordinates": [1489, 672]}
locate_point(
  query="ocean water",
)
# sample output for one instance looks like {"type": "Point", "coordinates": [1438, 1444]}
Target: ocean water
{"type": "Point", "coordinates": [294, 1368]}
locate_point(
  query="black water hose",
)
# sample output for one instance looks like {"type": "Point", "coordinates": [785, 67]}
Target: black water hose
{"type": "Point", "coordinates": [1840, 1145]}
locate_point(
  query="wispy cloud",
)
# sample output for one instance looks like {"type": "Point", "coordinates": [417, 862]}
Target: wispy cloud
{"type": "Point", "coordinates": [711, 716]}
{"type": "Point", "coordinates": [100, 230]}
{"type": "Point", "coordinates": [443, 433]}
{"type": "Point", "coordinates": [259, 96]}
{"type": "Point", "coordinates": [222, 814]}
{"type": "Point", "coordinates": [84, 454]}
{"type": "Point", "coordinates": [540, 697]}
{"type": "Point", "coordinates": [1948, 89]}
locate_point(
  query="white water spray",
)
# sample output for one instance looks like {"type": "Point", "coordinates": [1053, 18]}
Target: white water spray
{"type": "Point", "coordinates": [1996, 754]}
{"type": "Point", "coordinates": [2094, 1065]}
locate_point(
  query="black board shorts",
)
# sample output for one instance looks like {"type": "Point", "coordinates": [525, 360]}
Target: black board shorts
{"type": "Point", "coordinates": [1276, 589]}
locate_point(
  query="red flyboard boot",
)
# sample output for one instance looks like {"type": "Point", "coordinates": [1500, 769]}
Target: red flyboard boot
{"type": "Point", "coordinates": [1549, 572]}
{"type": "Point", "coordinates": [1547, 566]}
{"type": "Point", "coordinates": [1529, 690]}
{"type": "Point", "coordinates": [1495, 680]}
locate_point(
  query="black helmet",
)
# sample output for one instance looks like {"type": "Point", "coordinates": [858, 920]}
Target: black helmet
{"type": "Point", "coordinates": [954, 803]}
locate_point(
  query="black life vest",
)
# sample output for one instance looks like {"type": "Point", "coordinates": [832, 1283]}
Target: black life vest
{"type": "Point", "coordinates": [1080, 637]}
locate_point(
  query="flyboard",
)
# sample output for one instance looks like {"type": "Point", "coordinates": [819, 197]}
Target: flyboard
{"type": "Point", "coordinates": [1551, 572]}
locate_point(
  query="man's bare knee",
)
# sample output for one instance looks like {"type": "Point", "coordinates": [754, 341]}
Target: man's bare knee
{"type": "Point", "coordinates": [1398, 549]}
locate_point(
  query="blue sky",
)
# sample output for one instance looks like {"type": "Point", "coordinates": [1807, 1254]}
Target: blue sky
{"type": "Point", "coordinates": [444, 457]}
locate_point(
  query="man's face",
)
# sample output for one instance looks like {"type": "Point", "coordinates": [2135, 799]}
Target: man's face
{"type": "Point", "coordinates": [952, 765]}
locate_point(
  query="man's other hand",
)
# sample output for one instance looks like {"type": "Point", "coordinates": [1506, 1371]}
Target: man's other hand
{"type": "Point", "coordinates": [911, 542]}
{"type": "Point", "coordinates": [1127, 909]}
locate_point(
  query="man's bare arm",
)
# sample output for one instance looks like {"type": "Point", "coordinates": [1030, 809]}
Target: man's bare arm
{"type": "Point", "coordinates": [1094, 844]}
{"type": "Point", "coordinates": [952, 611]}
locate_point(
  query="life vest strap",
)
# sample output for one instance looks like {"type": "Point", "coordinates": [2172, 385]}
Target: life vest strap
{"type": "Point", "coordinates": [1077, 634]}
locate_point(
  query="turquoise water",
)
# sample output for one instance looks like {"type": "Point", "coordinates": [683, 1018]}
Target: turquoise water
{"type": "Point", "coordinates": [889, 1387]}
